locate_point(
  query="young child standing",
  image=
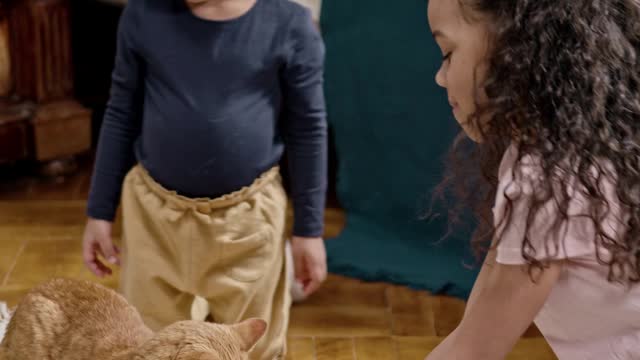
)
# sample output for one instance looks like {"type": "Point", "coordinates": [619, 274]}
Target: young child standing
{"type": "Point", "coordinates": [550, 91]}
{"type": "Point", "coordinates": [206, 94]}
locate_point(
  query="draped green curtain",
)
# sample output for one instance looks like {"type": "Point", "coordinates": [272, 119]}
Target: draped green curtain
{"type": "Point", "coordinates": [392, 126]}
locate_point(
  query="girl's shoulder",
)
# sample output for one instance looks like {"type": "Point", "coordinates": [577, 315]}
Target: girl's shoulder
{"type": "Point", "coordinates": [530, 175]}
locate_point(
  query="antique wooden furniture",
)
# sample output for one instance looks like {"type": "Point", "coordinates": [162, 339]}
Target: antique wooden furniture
{"type": "Point", "coordinates": [5, 62]}
{"type": "Point", "coordinates": [41, 50]}
{"type": "Point", "coordinates": [55, 128]}
{"type": "Point", "coordinates": [14, 130]}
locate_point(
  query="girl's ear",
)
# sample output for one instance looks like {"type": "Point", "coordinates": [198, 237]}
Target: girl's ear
{"type": "Point", "coordinates": [250, 331]}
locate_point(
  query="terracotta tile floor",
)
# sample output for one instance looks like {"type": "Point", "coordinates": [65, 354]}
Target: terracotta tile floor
{"type": "Point", "coordinates": [40, 229]}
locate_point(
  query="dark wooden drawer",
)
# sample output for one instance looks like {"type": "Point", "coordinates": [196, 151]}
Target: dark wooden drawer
{"type": "Point", "coordinates": [61, 128]}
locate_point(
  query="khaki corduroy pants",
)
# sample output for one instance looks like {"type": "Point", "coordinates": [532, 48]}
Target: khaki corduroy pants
{"type": "Point", "coordinates": [229, 251]}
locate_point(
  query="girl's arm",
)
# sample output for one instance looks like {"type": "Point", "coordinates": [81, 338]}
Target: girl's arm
{"type": "Point", "coordinates": [443, 348]}
{"type": "Point", "coordinates": [502, 305]}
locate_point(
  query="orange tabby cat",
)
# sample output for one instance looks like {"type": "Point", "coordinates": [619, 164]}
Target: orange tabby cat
{"type": "Point", "coordinates": [79, 320]}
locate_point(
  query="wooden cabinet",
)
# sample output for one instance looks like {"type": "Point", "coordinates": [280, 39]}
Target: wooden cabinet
{"type": "Point", "coordinates": [41, 49]}
{"type": "Point", "coordinates": [5, 62]}
{"type": "Point", "coordinates": [39, 119]}
{"type": "Point", "coordinates": [14, 131]}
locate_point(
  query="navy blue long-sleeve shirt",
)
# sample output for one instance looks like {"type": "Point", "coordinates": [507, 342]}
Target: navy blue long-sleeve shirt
{"type": "Point", "coordinates": [208, 106]}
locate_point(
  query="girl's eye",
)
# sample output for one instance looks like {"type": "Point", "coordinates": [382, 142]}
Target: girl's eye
{"type": "Point", "coordinates": [446, 57]}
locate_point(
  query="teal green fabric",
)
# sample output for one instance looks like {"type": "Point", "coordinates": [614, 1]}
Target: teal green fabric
{"type": "Point", "coordinates": [392, 126]}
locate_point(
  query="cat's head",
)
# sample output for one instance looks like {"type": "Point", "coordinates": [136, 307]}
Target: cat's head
{"type": "Point", "coordinates": [198, 340]}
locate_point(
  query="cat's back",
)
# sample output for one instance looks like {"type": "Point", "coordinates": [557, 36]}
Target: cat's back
{"type": "Point", "coordinates": [79, 303]}
{"type": "Point", "coordinates": [82, 296]}
{"type": "Point", "coordinates": [64, 318]}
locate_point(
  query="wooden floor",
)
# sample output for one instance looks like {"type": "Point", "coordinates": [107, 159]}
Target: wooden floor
{"type": "Point", "coordinates": [41, 223]}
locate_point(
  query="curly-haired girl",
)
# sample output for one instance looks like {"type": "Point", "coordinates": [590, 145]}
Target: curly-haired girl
{"type": "Point", "coordinates": [550, 92]}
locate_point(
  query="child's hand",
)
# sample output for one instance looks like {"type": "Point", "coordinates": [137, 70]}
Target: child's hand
{"type": "Point", "coordinates": [310, 261]}
{"type": "Point", "coordinates": [97, 241]}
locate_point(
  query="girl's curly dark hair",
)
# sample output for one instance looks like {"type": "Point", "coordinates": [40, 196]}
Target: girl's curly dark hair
{"type": "Point", "coordinates": [563, 83]}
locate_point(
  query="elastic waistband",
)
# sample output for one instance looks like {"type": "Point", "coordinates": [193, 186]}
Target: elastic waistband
{"type": "Point", "coordinates": [180, 202]}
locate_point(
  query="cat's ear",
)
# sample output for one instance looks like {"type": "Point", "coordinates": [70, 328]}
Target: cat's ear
{"type": "Point", "coordinates": [250, 331]}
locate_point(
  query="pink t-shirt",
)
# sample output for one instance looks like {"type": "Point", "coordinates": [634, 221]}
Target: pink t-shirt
{"type": "Point", "coordinates": [586, 317]}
